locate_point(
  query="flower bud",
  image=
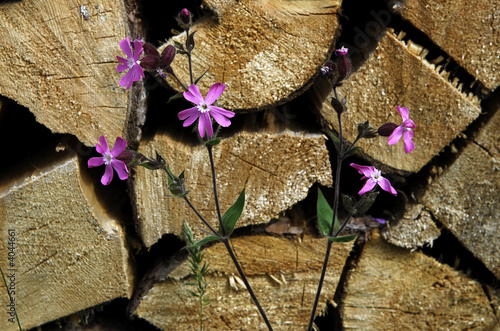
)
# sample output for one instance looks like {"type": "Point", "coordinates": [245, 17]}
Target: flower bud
{"type": "Point", "coordinates": [167, 56]}
{"type": "Point", "coordinates": [184, 19]}
{"type": "Point", "coordinates": [386, 129]}
{"type": "Point", "coordinates": [126, 156]}
{"type": "Point", "coordinates": [343, 64]}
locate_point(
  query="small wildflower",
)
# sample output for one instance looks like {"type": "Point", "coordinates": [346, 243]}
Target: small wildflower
{"type": "Point", "coordinates": [204, 109]}
{"type": "Point", "coordinates": [343, 63]}
{"type": "Point", "coordinates": [405, 130]}
{"type": "Point", "coordinates": [341, 51]}
{"type": "Point", "coordinates": [135, 72]}
{"type": "Point", "coordinates": [374, 178]}
{"type": "Point", "coordinates": [379, 220]}
{"type": "Point", "coordinates": [114, 159]}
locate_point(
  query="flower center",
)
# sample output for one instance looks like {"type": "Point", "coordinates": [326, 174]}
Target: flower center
{"type": "Point", "coordinates": [131, 63]}
{"type": "Point", "coordinates": [203, 107]}
{"type": "Point", "coordinates": [376, 176]}
{"type": "Point", "coordinates": [107, 158]}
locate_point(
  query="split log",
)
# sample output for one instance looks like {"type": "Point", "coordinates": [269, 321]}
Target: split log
{"type": "Point", "coordinates": [69, 251]}
{"type": "Point", "coordinates": [392, 288]}
{"type": "Point", "coordinates": [467, 31]}
{"type": "Point", "coordinates": [62, 66]}
{"type": "Point", "coordinates": [250, 160]}
{"type": "Point", "coordinates": [372, 94]}
{"type": "Point", "coordinates": [283, 272]}
{"type": "Point", "coordinates": [267, 52]}
{"type": "Point", "coordinates": [465, 198]}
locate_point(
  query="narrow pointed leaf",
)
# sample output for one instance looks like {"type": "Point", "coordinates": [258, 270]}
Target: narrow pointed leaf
{"type": "Point", "coordinates": [232, 215]}
{"type": "Point", "coordinates": [198, 79]}
{"type": "Point", "coordinates": [176, 96]}
{"type": "Point", "coordinates": [204, 241]}
{"type": "Point", "coordinates": [325, 214]}
{"type": "Point", "coordinates": [343, 239]}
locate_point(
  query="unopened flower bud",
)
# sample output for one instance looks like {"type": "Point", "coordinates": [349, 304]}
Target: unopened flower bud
{"type": "Point", "coordinates": [167, 56]}
{"type": "Point", "coordinates": [386, 129]}
{"type": "Point", "coordinates": [184, 18]}
{"type": "Point", "coordinates": [343, 64]}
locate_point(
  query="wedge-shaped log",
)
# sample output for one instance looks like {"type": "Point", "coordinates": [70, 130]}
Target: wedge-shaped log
{"type": "Point", "coordinates": [394, 75]}
{"type": "Point", "coordinates": [62, 66]}
{"type": "Point", "coordinates": [392, 288]}
{"type": "Point", "coordinates": [284, 274]}
{"type": "Point", "coordinates": [465, 198]}
{"type": "Point", "coordinates": [467, 31]}
{"type": "Point", "coordinates": [266, 52]}
{"type": "Point", "coordinates": [68, 252]}
{"type": "Point", "coordinates": [250, 160]}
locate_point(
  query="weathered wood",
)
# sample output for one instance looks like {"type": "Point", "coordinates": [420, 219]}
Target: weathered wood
{"type": "Point", "coordinates": [70, 251]}
{"type": "Point", "coordinates": [466, 30]}
{"type": "Point", "coordinates": [250, 160]}
{"type": "Point", "coordinates": [266, 52]}
{"type": "Point", "coordinates": [63, 67]}
{"type": "Point", "coordinates": [373, 94]}
{"type": "Point", "coordinates": [392, 288]}
{"type": "Point", "coordinates": [414, 230]}
{"type": "Point", "coordinates": [466, 199]}
{"type": "Point", "coordinates": [283, 272]}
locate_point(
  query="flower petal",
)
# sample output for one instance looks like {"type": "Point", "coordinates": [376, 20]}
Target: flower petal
{"type": "Point", "coordinates": [102, 146]}
{"type": "Point", "coordinates": [137, 49]}
{"type": "Point", "coordinates": [194, 95]}
{"type": "Point", "coordinates": [108, 175]}
{"type": "Point", "coordinates": [370, 184]}
{"type": "Point", "coordinates": [366, 171]}
{"type": "Point", "coordinates": [119, 146]}
{"type": "Point", "coordinates": [126, 48]}
{"type": "Point", "coordinates": [409, 124]}
{"type": "Point", "coordinates": [404, 112]}
{"type": "Point", "coordinates": [121, 169]}
{"type": "Point", "coordinates": [386, 186]}
{"type": "Point", "coordinates": [127, 80]}
{"type": "Point", "coordinates": [220, 114]}
{"type": "Point", "coordinates": [191, 114]}
{"type": "Point", "coordinates": [407, 139]}
{"type": "Point", "coordinates": [95, 162]}
{"type": "Point", "coordinates": [395, 136]}
{"type": "Point", "coordinates": [205, 123]}
{"type": "Point", "coordinates": [214, 92]}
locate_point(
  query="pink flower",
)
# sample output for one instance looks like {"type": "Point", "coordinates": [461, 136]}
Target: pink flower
{"type": "Point", "coordinates": [374, 178]}
{"type": "Point", "coordinates": [204, 109]}
{"type": "Point", "coordinates": [135, 72]}
{"type": "Point", "coordinates": [404, 130]}
{"type": "Point", "coordinates": [342, 51]}
{"type": "Point", "coordinates": [112, 160]}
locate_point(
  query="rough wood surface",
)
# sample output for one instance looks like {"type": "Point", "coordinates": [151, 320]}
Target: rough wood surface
{"type": "Point", "coordinates": [414, 230]}
{"type": "Point", "coordinates": [373, 94]}
{"type": "Point", "coordinates": [250, 160]}
{"type": "Point", "coordinates": [266, 52]}
{"type": "Point", "coordinates": [466, 198]}
{"type": "Point", "coordinates": [466, 30]}
{"type": "Point", "coordinates": [70, 252]}
{"type": "Point", "coordinates": [284, 273]}
{"type": "Point", "coordinates": [63, 67]}
{"type": "Point", "coordinates": [394, 289]}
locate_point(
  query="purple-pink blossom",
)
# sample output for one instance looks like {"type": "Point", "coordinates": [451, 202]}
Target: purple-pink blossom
{"type": "Point", "coordinates": [204, 109]}
{"type": "Point", "coordinates": [405, 130]}
{"type": "Point", "coordinates": [374, 178]}
{"type": "Point", "coordinates": [111, 159]}
{"type": "Point", "coordinates": [342, 51]}
{"type": "Point", "coordinates": [135, 72]}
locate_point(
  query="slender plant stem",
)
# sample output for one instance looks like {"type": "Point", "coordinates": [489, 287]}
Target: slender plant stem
{"type": "Point", "coordinates": [247, 284]}
{"type": "Point", "coordinates": [10, 298]}
{"type": "Point", "coordinates": [216, 196]}
{"type": "Point", "coordinates": [340, 158]}
{"type": "Point", "coordinates": [189, 56]}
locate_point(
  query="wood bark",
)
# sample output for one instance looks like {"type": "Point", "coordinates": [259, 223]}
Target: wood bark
{"type": "Point", "coordinates": [282, 271]}
{"type": "Point", "coordinates": [393, 288]}
{"type": "Point", "coordinates": [373, 94]}
{"type": "Point", "coordinates": [467, 31]}
{"type": "Point", "coordinates": [250, 160]}
{"type": "Point", "coordinates": [70, 251]}
{"type": "Point", "coordinates": [266, 52]}
{"type": "Point", "coordinates": [63, 67]}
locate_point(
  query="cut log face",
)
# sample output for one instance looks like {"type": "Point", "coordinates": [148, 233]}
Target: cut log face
{"type": "Point", "coordinates": [62, 66]}
{"type": "Point", "coordinates": [466, 30]}
{"type": "Point", "coordinates": [68, 254]}
{"type": "Point", "coordinates": [394, 75]}
{"type": "Point", "coordinates": [283, 272]}
{"type": "Point", "coordinates": [247, 160]}
{"type": "Point", "coordinates": [266, 52]}
{"type": "Point", "coordinates": [466, 197]}
{"type": "Point", "coordinates": [393, 289]}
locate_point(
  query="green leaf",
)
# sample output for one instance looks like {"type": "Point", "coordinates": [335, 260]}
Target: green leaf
{"type": "Point", "coordinates": [204, 241]}
{"type": "Point", "coordinates": [367, 201]}
{"type": "Point", "coordinates": [343, 239]}
{"type": "Point", "coordinates": [188, 233]}
{"type": "Point", "coordinates": [354, 150]}
{"type": "Point", "coordinates": [335, 140]}
{"type": "Point", "coordinates": [190, 42]}
{"type": "Point", "coordinates": [232, 215]}
{"type": "Point", "coordinates": [175, 97]}
{"type": "Point", "coordinates": [325, 214]}
{"type": "Point", "coordinates": [349, 203]}
{"type": "Point", "coordinates": [213, 142]}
